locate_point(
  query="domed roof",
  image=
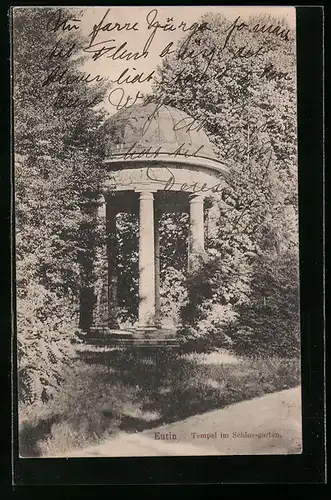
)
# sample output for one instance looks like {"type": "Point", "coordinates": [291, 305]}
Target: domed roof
{"type": "Point", "coordinates": [152, 132]}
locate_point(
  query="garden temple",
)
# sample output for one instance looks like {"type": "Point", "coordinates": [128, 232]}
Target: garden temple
{"type": "Point", "coordinates": [157, 159]}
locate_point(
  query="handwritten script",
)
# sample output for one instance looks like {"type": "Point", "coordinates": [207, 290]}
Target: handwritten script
{"type": "Point", "coordinates": [126, 48]}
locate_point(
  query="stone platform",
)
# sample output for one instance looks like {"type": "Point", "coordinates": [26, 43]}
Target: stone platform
{"type": "Point", "coordinates": [149, 337]}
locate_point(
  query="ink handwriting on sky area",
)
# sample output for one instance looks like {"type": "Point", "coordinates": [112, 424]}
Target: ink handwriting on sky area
{"type": "Point", "coordinates": [124, 53]}
{"type": "Point", "coordinates": [105, 42]}
{"type": "Point", "coordinates": [127, 47]}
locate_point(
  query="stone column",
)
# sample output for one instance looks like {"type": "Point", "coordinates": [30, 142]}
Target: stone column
{"type": "Point", "coordinates": [100, 316]}
{"type": "Point", "coordinates": [146, 260]}
{"type": "Point", "coordinates": [112, 262]}
{"type": "Point", "coordinates": [86, 262]}
{"type": "Point", "coordinates": [196, 231]}
{"type": "Point", "coordinates": [157, 268]}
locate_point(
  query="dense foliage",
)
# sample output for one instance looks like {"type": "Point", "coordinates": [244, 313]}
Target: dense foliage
{"type": "Point", "coordinates": [241, 83]}
{"type": "Point", "coordinates": [269, 324]}
{"type": "Point", "coordinates": [57, 174]}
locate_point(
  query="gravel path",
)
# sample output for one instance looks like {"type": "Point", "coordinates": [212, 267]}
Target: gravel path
{"type": "Point", "coordinates": [270, 424]}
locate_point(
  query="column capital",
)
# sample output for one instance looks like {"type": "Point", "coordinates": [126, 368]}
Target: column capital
{"type": "Point", "coordinates": [146, 195]}
{"type": "Point", "coordinates": [196, 198]}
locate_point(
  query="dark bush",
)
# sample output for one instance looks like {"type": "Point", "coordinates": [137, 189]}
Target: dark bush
{"type": "Point", "coordinates": [270, 323]}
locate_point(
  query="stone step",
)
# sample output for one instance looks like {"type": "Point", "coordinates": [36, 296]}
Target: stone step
{"type": "Point", "coordinates": [145, 343]}
{"type": "Point", "coordinates": [128, 339]}
{"type": "Point", "coordinates": [133, 341]}
{"type": "Point", "coordinates": [148, 333]}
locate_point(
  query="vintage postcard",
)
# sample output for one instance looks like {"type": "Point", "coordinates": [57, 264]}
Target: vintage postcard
{"type": "Point", "coordinates": [156, 231]}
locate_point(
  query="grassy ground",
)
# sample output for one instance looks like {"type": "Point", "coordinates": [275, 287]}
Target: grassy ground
{"type": "Point", "coordinates": [132, 391]}
{"type": "Point", "coordinates": [269, 424]}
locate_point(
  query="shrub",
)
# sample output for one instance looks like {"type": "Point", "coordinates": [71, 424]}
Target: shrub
{"type": "Point", "coordinates": [173, 295]}
{"type": "Point", "coordinates": [209, 333]}
{"type": "Point", "coordinates": [213, 287]}
{"type": "Point", "coordinates": [259, 319]}
{"type": "Point", "coordinates": [88, 404]}
{"type": "Point", "coordinates": [270, 324]}
{"type": "Point", "coordinates": [45, 332]}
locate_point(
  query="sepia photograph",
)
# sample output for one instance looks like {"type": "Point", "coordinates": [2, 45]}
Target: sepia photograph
{"type": "Point", "coordinates": [155, 179]}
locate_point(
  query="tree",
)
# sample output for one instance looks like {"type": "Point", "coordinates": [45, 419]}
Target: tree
{"type": "Point", "coordinates": [239, 79]}
{"type": "Point", "coordinates": [270, 323]}
{"type": "Point", "coordinates": [57, 175]}
{"type": "Point", "coordinates": [248, 114]}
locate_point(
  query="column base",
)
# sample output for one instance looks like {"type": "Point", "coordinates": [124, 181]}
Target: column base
{"type": "Point", "coordinates": [146, 327]}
